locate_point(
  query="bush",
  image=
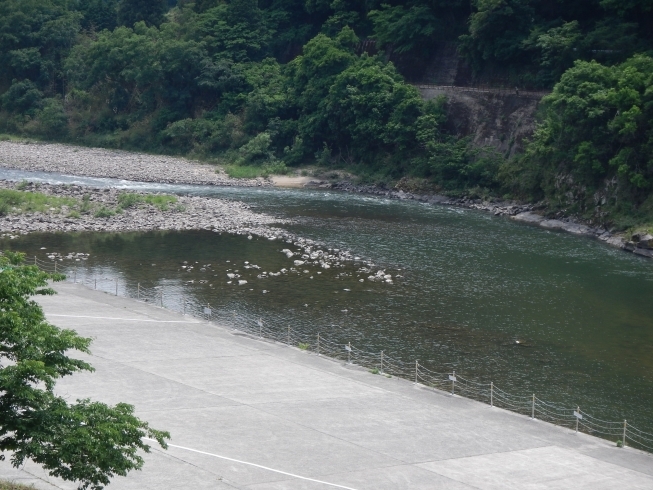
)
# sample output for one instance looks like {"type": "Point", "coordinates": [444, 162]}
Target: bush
{"type": "Point", "coordinates": [52, 120]}
{"type": "Point", "coordinates": [22, 98]}
{"type": "Point", "coordinates": [104, 212]}
{"type": "Point", "coordinates": [256, 151]}
{"type": "Point", "coordinates": [128, 200]}
{"type": "Point", "coordinates": [30, 202]}
{"type": "Point", "coordinates": [161, 201]}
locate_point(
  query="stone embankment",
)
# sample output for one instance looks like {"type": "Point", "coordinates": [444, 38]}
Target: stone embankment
{"type": "Point", "coordinates": [115, 164]}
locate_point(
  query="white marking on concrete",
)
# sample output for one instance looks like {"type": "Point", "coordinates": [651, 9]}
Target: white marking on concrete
{"type": "Point", "coordinates": [124, 319]}
{"type": "Point", "coordinates": [256, 465]}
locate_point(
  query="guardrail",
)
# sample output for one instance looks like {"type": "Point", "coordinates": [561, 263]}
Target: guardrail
{"type": "Point", "coordinates": [176, 299]}
{"type": "Point", "coordinates": [534, 94]}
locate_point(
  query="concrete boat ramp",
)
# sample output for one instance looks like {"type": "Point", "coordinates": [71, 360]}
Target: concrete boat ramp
{"type": "Point", "coordinates": [250, 414]}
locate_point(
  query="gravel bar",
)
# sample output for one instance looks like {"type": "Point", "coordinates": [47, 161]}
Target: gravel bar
{"type": "Point", "coordinates": [115, 164]}
{"type": "Point", "coordinates": [188, 213]}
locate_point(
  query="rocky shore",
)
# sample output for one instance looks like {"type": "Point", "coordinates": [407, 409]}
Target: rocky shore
{"type": "Point", "coordinates": [116, 164]}
{"type": "Point", "coordinates": [640, 244]}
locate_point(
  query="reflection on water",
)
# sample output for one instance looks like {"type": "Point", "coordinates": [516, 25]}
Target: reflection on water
{"type": "Point", "coordinates": [534, 311]}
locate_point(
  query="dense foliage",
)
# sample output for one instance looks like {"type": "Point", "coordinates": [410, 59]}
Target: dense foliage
{"type": "Point", "coordinates": [593, 152]}
{"type": "Point", "coordinates": [87, 442]}
{"type": "Point", "coordinates": [275, 83]}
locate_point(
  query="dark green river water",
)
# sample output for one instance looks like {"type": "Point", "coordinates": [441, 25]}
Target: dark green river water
{"type": "Point", "coordinates": [564, 317]}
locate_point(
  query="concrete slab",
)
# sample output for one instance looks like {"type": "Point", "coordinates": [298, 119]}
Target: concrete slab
{"type": "Point", "coordinates": [269, 417]}
{"type": "Point", "coordinates": [560, 468]}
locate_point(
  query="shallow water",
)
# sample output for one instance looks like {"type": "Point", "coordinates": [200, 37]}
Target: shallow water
{"type": "Point", "coordinates": [473, 285]}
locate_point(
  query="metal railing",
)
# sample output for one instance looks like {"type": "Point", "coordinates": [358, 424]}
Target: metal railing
{"type": "Point", "coordinates": [175, 298]}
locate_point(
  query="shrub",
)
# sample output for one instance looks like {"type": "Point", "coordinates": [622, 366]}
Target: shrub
{"type": "Point", "coordinates": [104, 212]}
{"type": "Point", "coordinates": [128, 200]}
{"type": "Point", "coordinates": [31, 201]}
{"type": "Point", "coordinates": [161, 201]}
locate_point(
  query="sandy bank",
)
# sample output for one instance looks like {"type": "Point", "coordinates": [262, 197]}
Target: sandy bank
{"type": "Point", "coordinates": [287, 181]}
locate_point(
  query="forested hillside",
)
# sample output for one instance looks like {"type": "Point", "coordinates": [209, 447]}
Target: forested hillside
{"type": "Point", "coordinates": [269, 85]}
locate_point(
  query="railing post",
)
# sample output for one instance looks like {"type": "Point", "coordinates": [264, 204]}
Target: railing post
{"type": "Point", "coordinates": [138, 291]}
{"type": "Point", "coordinates": [116, 287]}
{"type": "Point", "coordinates": [35, 260]}
{"type": "Point", "coordinates": [161, 297]}
{"type": "Point", "coordinates": [95, 283]}
{"type": "Point", "coordinates": [453, 383]}
{"type": "Point", "coordinates": [288, 335]}
{"type": "Point", "coordinates": [75, 276]}
{"type": "Point", "coordinates": [318, 343]}
{"type": "Point", "coordinates": [183, 304]}
{"type": "Point", "coordinates": [260, 328]}
{"type": "Point", "coordinates": [577, 418]}
{"type": "Point", "coordinates": [55, 266]}
{"type": "Point", "coordinates": [349, 353]}
{"type": "Point", "coordinates": [416, 369]}
{"type": "Point", "coordinates": [381, 362]}
{"type": "Point", "coordinates": [491, 394]}
{"type": "Point", "coordinates": [624, 441]}
{"type": "Point", "coordinates": [533, 408]}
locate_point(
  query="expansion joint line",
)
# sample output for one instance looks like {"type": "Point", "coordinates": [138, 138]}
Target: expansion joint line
{"type": "Point", "coordinates": [299, 477]}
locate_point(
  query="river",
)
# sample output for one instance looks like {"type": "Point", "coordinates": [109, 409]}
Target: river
{"type": "Point", "coordinates": [534, 311]}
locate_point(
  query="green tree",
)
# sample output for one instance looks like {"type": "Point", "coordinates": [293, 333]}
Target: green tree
{"type": "Point", "coordinates": [596, 134]}
{"type": "Point", "coordinates": [22, 97]}
{"type": "Point", "coordinates": [99, 14]}
{"type": "Point", "coordinates": [497, 30]}
{"type": "Point", "coordinates": [235, 31]}
{"type": "Point", "coordinates": [404, 29]}
{"type": "Point", "coordinates": [149, 11]}
{"type": "Point", "coordinates": [370, 110]}
{"type": "Point", "coordinates": [87, 442]}
{"type": "Point", "coordinates": [52, 119]}
{"type": "Point", "coordinates": [35, 38]}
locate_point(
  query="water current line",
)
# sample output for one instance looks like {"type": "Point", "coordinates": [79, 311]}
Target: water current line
{"type": "Point", "coordinates": [256, 465]}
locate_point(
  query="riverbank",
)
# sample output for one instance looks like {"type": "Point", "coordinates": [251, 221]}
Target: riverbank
{"type": "Point", "coordinates": [97, 162]}
{"type": "Point", "coordinates": [115, 164]}
{"type": "Point", "coordinates": [532, 214]}
{"type": "Point", "coordinates": [278, 417]}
